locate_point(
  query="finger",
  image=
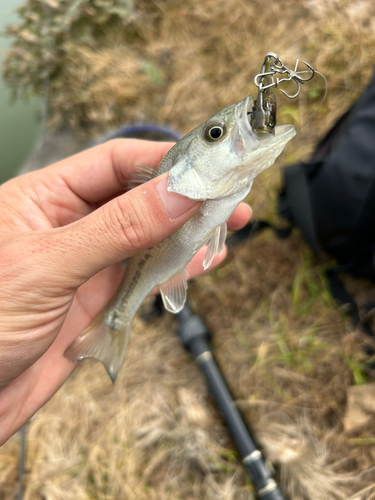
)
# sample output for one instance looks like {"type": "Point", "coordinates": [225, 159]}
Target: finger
{"type": "Point", "coordinates": [100, 172]}
{"type": "Point", "coordinates": [121, 228]}
{"type": "Point", "coordinates": [240, 217]}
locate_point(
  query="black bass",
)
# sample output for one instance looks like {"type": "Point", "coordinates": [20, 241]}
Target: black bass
{"type": "Point", "coordinates": [215, 163]}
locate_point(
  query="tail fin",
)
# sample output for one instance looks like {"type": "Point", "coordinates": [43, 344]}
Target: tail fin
{"type": "Point", "coordinates": [100, 342]}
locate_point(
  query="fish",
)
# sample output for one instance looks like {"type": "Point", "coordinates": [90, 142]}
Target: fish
{"type": "Point", "coordinates": [215, 163]}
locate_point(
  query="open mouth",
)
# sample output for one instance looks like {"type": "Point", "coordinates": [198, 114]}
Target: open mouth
{"type": "Point", "coordinates": [247, 141]}
{"type": "Point", "coordinates": [244, 138]}
{"type": "Point", "coordinates": [256, 152]}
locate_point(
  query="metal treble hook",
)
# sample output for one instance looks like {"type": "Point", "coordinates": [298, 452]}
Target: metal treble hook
{"type": "Point", "coordinates": [263, 115]}
{"type": "Point", "coordinates": [295, 75]}
{"type": "Point", "coordinates": [278, 67]}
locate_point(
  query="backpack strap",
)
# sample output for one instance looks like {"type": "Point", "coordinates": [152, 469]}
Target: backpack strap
{"type": "Point", "coordinates": [253, 228]}
{"type": "Point", "coordinates": [339, 293]}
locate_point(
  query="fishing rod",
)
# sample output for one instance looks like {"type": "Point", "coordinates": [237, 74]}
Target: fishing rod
{"type": "Point", "coordinates": [196, 339]}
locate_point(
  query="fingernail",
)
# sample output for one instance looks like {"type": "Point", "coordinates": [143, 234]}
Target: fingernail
{"type": "Point", "coordinates": [249, 207]}
{"type": "Point", "coordinates": [175, 204]}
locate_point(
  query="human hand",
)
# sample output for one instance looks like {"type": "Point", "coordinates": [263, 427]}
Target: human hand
{"type": "Point", "coordinates": [64, 231]}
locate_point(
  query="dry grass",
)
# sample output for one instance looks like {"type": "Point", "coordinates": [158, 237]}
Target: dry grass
{"type": "Point", "coordinates": [288, 353]}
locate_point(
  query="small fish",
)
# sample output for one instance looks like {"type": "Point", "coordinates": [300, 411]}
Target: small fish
{"type": "Point", "coordinates": [215, 163]}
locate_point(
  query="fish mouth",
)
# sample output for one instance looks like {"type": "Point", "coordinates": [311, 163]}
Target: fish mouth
{"type": "Point", "coordinates": [251, 147]}
{"type": "Point", "coordinates": [244, 138]}
{"type": "Point", "coordinates": [256, 152]}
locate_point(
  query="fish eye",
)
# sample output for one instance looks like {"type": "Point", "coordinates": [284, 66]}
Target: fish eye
{"type": "Point", "coordinates": [214, 132]}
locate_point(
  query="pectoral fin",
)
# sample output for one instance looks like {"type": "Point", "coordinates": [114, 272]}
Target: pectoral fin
{"type": "Point", "coordinates": [142, 175]}
{"type": "Point", "coordinates": [215, 244]}
{"type": "Point", "coordinates": [173, 292]}
{"type": "Point", "coordinates": [102, 343]}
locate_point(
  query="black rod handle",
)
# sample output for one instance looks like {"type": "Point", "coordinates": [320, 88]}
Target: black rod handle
{"type": "Point", "coordinates": [195, 337]}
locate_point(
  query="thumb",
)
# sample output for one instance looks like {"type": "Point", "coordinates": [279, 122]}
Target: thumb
{"type": "Point", "coordinates": [121, 228]}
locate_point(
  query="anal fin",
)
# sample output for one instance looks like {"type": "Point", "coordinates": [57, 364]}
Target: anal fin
{"type": "Point", "coordinates": [100, 342]}
{"type": "Point", "coordinates": [173, 292]}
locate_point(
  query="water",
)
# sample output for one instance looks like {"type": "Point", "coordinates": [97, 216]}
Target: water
{"type": "Point", "coordinates": [19, 127]}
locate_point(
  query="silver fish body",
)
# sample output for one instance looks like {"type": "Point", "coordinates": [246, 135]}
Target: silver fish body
{"type": "Point", "coordinates": [215, 163]}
